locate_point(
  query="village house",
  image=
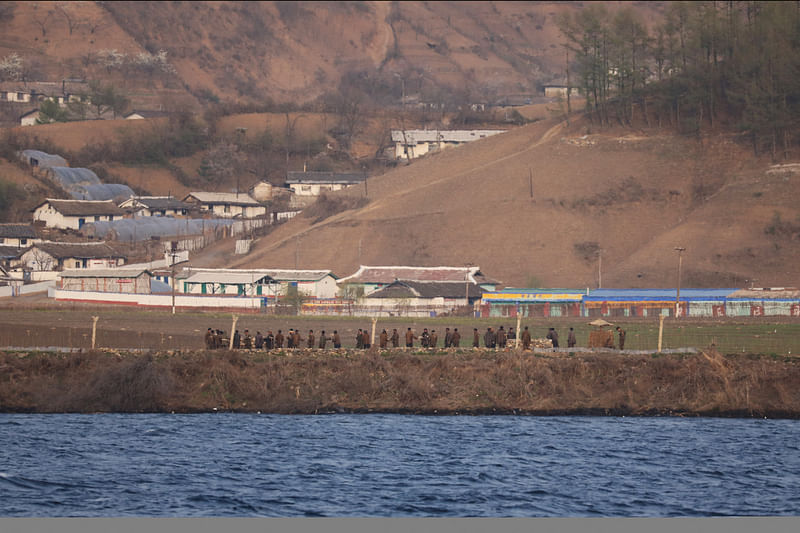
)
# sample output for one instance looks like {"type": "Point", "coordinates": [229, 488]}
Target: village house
{"type": "Point", "coordinates": [17, 235]}
{"type": "Point", "coordinates": [72, 214]}
{"type": "Point", "coordinates": [421, 298]}
{"type": "Point", "coordinates": [155, 206]}
{"type": "Point", "coordinates": [10, 256]}
{"type": "Point", "coordinates": [258, 282]}
{"type": "Point", "coordinates": [49, 256]}
{"type": "Point", "coordinates": [368, 279]}
{"type": "Point", "coordinates": [118, 280]}
{"type": "Point", "coordinates": [226, 204]}
{"type": "Point", "coordinates": [142, 114]}
{"type": "Point", "coordinates": [558, 90]}
{"type": "Point", "coordinates": [410, 144]}
{"type": "Point", "coordinates": [61, 92]}
{"type": "Point", "coordinates": [314, 183]}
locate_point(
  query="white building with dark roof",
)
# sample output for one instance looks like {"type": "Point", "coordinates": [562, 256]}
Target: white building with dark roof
{"type": "Point", "coordinates": [226, 204]}
{"type": "Point", "coordinates": [156, 206]}
{"type": "Point", "coordinates": [18, 235]}
{"type": "Point", "coordinates": [410, 144]}
{"type": "Point", "coordinates": [314, 183]}
{"type": "Point", "coordinates": [258, 282]}
{"type": "Point", "coordinates": [372, 278]}
{"type": "Point", "coordinates": [72, 214]}
{"type": "Point", "coordinates": [44, 256]}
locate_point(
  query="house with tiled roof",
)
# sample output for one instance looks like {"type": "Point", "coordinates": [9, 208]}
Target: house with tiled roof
{"type": "Point", "coordinates": [73, 214]}
{"type": "Point", "coordinates": [226, 204]}
{"type": "Point", "coordinates": [314, 183]}
{"type": "Point", "coordinates": [368, 279]}
{"type": "Point", "coordinates": [17, 235]}
{"type": "Point", "coordinates": [49, 255]}
{"type": "Point", "coordinates": [156, 206]}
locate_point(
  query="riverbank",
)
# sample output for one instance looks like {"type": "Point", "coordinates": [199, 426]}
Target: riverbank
{"type": "Point", "coordinates": [458, 381]}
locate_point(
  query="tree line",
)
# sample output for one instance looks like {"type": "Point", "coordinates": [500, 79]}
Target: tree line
{"type": "Point", "coordinates": [736, 62]}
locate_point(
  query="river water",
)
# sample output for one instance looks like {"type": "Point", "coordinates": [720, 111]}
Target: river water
{"type": "Point", "coordinates": [223, 464]}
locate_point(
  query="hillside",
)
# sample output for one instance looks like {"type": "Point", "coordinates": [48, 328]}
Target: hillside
{"type": "Point", "coordinates": [635, 196]}
{"type": "Point", "coordinates": [294, 52]}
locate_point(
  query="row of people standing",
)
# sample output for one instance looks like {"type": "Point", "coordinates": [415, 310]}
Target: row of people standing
{"type": "Point", "coordinates": [499, 338]}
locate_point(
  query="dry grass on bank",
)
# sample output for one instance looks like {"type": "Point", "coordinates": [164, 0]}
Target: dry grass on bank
{"type": "Point", "coordinates": [452, 382]}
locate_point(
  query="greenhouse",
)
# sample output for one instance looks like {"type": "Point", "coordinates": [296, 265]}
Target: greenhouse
{"type": "Point", "coordinates": [145, 228]}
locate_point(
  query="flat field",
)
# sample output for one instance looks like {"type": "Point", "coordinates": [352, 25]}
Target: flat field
{"type": "Point", "coordinates": [70, 326]}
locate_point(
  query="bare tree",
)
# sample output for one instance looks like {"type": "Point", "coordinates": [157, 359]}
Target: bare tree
{"type": "Point", "coordinates": [72, 21]}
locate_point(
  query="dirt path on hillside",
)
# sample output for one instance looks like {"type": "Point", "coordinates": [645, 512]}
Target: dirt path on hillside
{"type": "Point", "coordinates": [382, 202]}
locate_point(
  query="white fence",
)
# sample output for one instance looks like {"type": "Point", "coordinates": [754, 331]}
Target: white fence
{"type": "Point", "coordinates": [160, 300]}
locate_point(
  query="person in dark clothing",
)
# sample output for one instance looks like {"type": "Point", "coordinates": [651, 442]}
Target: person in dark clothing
{"type": "Point", "coordinates": [448, 337]}
{"type": "Point", "coordinates": [621, 333]}
{"type": "Point", "coordinates": [269, 340]}
{"type": "Point", "coordinates": [410, 338]}
{"type": "Point", "coordinates": [279, 340]}
{"type": "Point", "coordinates": [571, 340]}
{"type": "Point", "coordinates": [433, 339]}
{"type": "Point", "coordinates": [526, 339]}
{"type": "Point", "coordinates": [236, 339]}
{"type": "Point", "coordinates": [553, 336]}
{"type": "Point", "coordinates": [455, 340]}
{"type": "Point", "coordinates": [290, 339]}
{"type": "Point", "coordinates": [425, 338]}
{"type": "Point", "coordinates": [359, 339]}
{"type": "Point", "coordinates": [367, 340]}
{"type": "Point", "coordinates": [489, 339]}
{"type": "Point", "coordinates": [395, 338]}
{"type": "Point", "coordinates": [512, 337]}
{"type": "Point", "coordinates": [501, 337]}
{"type": "Point", "coordinates": [476, 338]}
{"type": "Point", "coordinates": [209, 339]}
{"type": "Point", "coordinates": [311, 339]}
{"type": "Point", "coordinates": [247, 343]}
{"type": "Point", "coordinates": [322, 339]}
{"type": "Point", "coordinates": [384, 339]}
{"type": "Point", "coordinates": [259, 340]}
{"type": "Point", "coordinates": [337, 340]}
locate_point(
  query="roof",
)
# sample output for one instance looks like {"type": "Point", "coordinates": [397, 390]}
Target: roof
{"type": "Point", "coordinates": [427, 289]}
{"type": "Point", "coordinates": [535, 295]}
{"type": "Point", "coordinates": [601, 295]}
{"type": "Point", "coordinates": [68, 176]}
{"type": "Point", "coordinates": [11, 252]}
{"type": "Point", "coordinates": [271, 274]}
{"type": "Point", "coordinates": [388, 274]}
{"type": "Point", "coordinates": [462, 136]}
{"type": "Point", "coordinates": [146, 113]}
{"type": "Point", "coordinates": [48, 88]}
{"type": "Point", "coordinates": [325, 177]}
{"type": "Point", "coordinates": [43, 158]}
{"type": "Point", "coordinates": [222, 198]}
{"type": "Point", "coordinates": [155, 202]}
{"type": "Point", "coordinates": [17, 231]}
{"type": "Point", "coordinates": [143, 228]}
{"type": "Point", "coordinates": [233, 278]}
{"type": "Point", "coordinates": [76, 208]}
{"type": "Point", "coordinates": [104, 273]}
{"type": "Point", "coordinates": [774, 293]}
{"type": "Point", "coordinates": [100, 191]}
{"type": "Point", "coordinates": [80, 250]}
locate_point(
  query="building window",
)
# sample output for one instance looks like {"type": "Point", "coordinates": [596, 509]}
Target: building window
{"type": "Point", "coordinates": [77, 264]}
{"type": "Point", "coordinates": [226, 209]}
{"type": "Point", "coordinates": [97, 218]}
{"type": "Point", "coordinates": [22, 242]}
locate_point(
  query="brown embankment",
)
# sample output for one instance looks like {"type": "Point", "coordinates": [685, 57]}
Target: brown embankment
{"type": "Point", "coordinates": [464, 382]}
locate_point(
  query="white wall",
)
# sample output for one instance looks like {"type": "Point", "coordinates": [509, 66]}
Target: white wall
{"type": "Point", "coordinates": [160, 300]}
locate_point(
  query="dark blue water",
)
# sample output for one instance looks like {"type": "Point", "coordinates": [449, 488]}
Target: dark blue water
{"type": "Point", "coordinates": [393, 465]}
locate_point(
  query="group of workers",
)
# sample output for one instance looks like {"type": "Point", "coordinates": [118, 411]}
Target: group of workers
{"type": "Point", "coordinates": [499, 338]}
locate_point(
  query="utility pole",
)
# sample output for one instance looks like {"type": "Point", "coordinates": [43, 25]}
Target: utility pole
{"type": "Point", "coordinates": [599, 269]}
{"type": "Point", "coordinates": [173, 254]}
{"type": "Point", "coordinates": [680, 251]}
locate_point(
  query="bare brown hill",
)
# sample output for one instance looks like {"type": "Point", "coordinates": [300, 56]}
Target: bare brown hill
{"type": "Point", "coordinates": [296, 51]}
{"type": "Point", "coordinates": [633, 196]}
